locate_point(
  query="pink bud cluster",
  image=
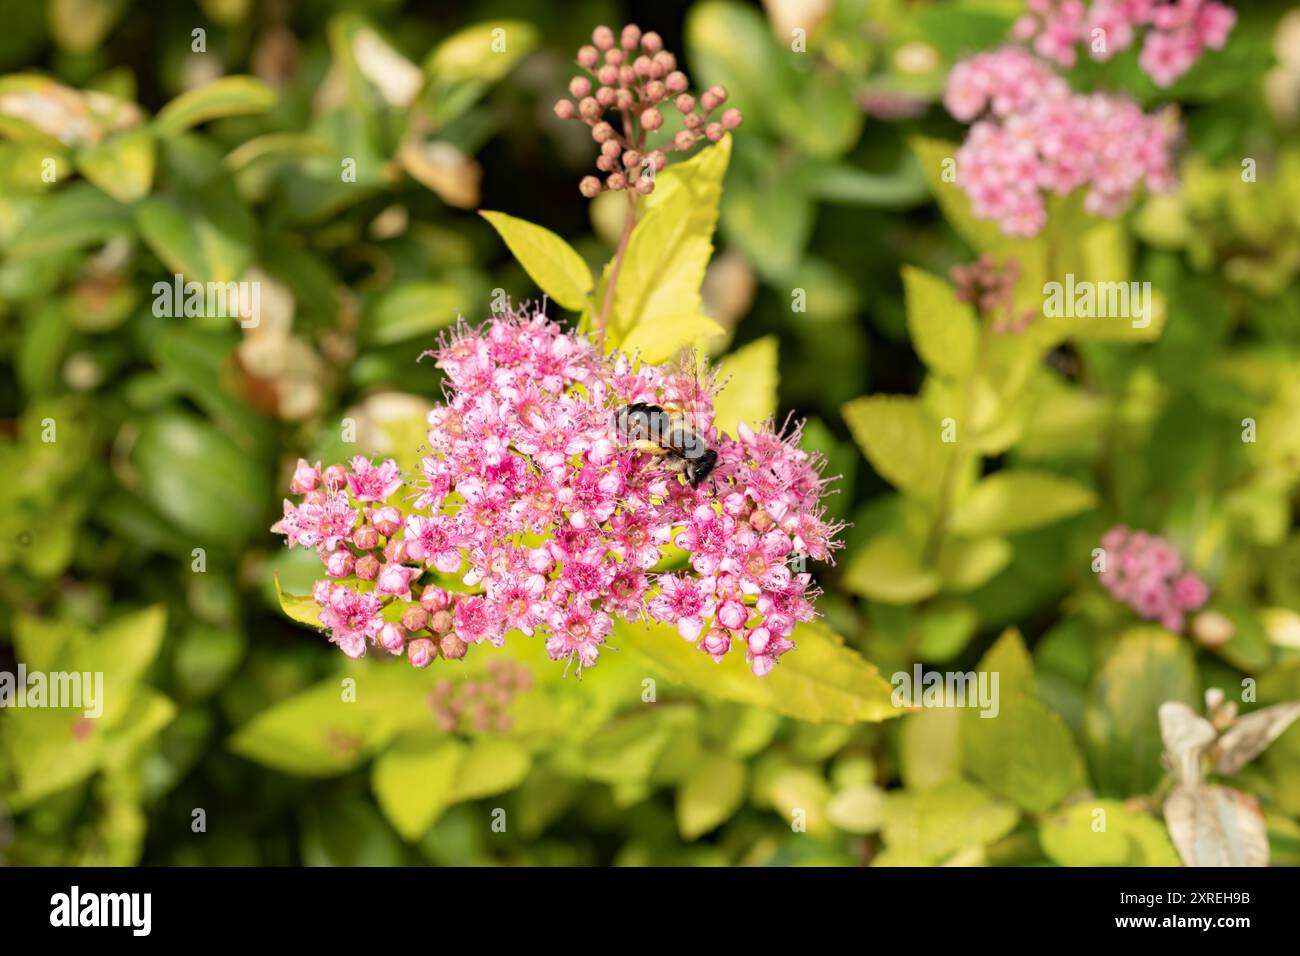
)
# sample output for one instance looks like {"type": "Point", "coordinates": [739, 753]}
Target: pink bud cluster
{"type": "Point", "coordinates": [1146, 572]}
{"type": "Point", "coordinates": [626, 85]}
{"type": "Point", "coordinates": [528, 497]}
{"type": "Point", "coordinates": [1032, 135]}
{"type": "Point", "coordinates": [482, 704]}
{"type": "Point", "coordinates": [991, 289]}
{"type": "Point", "coordinates": [1177, 31]}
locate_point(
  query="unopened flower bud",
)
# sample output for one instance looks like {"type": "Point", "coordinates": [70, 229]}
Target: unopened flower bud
{"type": "Point", "coordinates": [663, 64]}
{"type": "Point", "coordinates": [565, 109]}
{"type": "Point", "coordinates": [610, 148]}
{"type": "Point", "coordinates": [395, 551]}
{"type": "Point", "coordinates": [452, 647]}
{"type": "Point", "coordinates": [631, 159]}
{"type": "Point", "coordinates": [387, 520]}
{"type": "Point", "coordinates": [608, 75]}
{"type": "Point", "coordinates": [579, 86]}
{"type": "Point", "coordinates": [616, 57]}
{"type": "Point", "coordinates": [440, 621]}
{"type": "Point", "coordinates": [340, 563]}
{"type": "Point", "coordinates": [415, 618]}
{"type": "Point", "coordinates": [652, 119]}
{"type": "Point", "coordinates": [659, 159]}
{"type": "Point", "coordinates": [684, 103]}
{"type": "Point", "coordinates": [305, 478]}
{"type": "Point", "coordinates": [606, 96]}
{"type": "Point", "coordinates": [642, 66]}
{"type": "Point", "coordinates": [732, 119]}
{"type": "Point", "coordinates": [719, 93]}
{"type": "Point", "coordinates": [623, 99]}
{"type": "Point", "coordinates": [588, 57]}
{"type": "Point", "coordinates": [626, 75]}
{"type": "Point", "coordinates": [693, 121]}
{"type": "Point", "coordinates": [589, 187]}
{"type": "Point", "coordinates": [676, 82]}
{"type": "Point", "coordinates": [631, 37]}
{"type": "Point", "coordinates": [367, 567]}
{"type": "Point", "coordinates": [601, 132]}
{"type": "Point", "coordinates": [651, 42]}
{"type": "Point", "coordinates": [391, 637]}
{"type": "Point", "coordinates": [616, 181]}
{"type": "Point", "coordinates": [603, 37]}
{"type": "Point", "coordinates": [655, 91]}
{"type": "Point", "coordinates": [434, 598]}
{"type": "Point", "coordinates": [366, 537]}
{"type": "Point", "coordinates": [606, 164]}
{"type": "Point", "coordinates": [684, 140]}
{"type": "Point", "coordinates": [589, 108]}
{"type": "Point", "coordinates": [714, 132]}
{"type": "Point", "coordinates": [645, 185]}
{"type": "Point", "coordinates": [421, 652]}
{"type": "Point", "coordinates": [708, 101]}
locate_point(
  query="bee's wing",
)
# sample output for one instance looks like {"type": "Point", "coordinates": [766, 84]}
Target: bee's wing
{"type": "Point", "coordinates": [686, 368]}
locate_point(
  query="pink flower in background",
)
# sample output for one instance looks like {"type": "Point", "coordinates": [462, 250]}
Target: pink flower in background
{"type": "Point", "coordinates": [556, 523]}
{"type": "Point", "coordinates": [1032, 136]}
{"type": "Point", "coordinates": [1146, 572]}
{"type": "Point", "coordinates": [1176, 32]}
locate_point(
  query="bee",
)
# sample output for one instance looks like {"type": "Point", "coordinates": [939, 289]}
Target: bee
{"type": "Point", "coordinates": [667, 433]}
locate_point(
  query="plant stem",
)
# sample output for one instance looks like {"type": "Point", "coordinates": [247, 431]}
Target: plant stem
{"type": "Point", "coordinates": [629, 222]}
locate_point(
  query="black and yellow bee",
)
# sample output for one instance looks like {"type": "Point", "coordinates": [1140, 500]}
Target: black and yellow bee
{"type": "Point", "coordinates": [668, 433]}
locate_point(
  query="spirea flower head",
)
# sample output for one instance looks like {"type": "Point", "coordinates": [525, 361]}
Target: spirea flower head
{"type": "Point", "coordinates": [627, 83]}
{"type": "Point", "coordinates": [555, 525]}
{"type": "Point", "coordinates": [1032, 135]}
{"type": "Point", "coordinates": [1146, 572]}
{"type": "Point", "coordinates": [1176, 32]}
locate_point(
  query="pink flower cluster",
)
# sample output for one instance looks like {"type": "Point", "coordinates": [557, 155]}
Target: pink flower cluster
{"type": "Point", "coordinates": [1032, 135]}
{"type": "Point", "coordinates": [530, 499]}
{"type": "Point", "coordinates": [1146, 572]}
{"type": "Point", "coordinates": [1177, 31]}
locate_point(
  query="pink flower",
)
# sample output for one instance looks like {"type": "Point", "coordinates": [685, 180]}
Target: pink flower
{"type": "Point", "coordinates": [556, 522]}
{"type": "Point", "coordinates": [369, 483]}
{"type": "Point", "coordinates": [352, 617]}
{"type": "Point", "coordinates": [305, 478]}
{"type": "Point", "coordinates": [395, 580]}
{"type": "Point", "coordinates": [1143, 571]}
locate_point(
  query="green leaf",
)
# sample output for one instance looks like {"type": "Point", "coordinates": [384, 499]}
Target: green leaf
{"type": "Point", "coordinates": [190, 243]}
{"type": "Point", "coordinates": [415, 782]}
{"type": "Point", "coordinates": [944, 330]}
{"type": "Point", "coordinates": [484, 51]}
{"type": "Point", "coordinates": [1020, 749]}
{"type": "Point", "coordinates": [491, 765]}
{"type": "Point", "coordinates": [122, 165]}
{"type": "Point", "coordinates": [901, 441]}
{"type": "Point", "coordinates": [820, 680]}
{"type": "Point", "coordinates": [662, 339]}
{"type": "Point", "coordinates": [932, 824]}
{"type": "Point", "coordinates": [300, 608]}
{"type": "Point", "coordinates": [750, 394]}
{"type": "Point", "coordinates": [858, 809]}
{"type": "Point", "coordinates": [1147, 667]}
{"type": "Point", "coordinates": [889, 568]}
{"type": "Point", "coordinates": [929, 747]}
{"type": "Point", "coordinates": [77, 216]}
{"type": "Point", "coordinates": [550, 261]}
{"type": "Point", "coordinates": [415, 308]}
{"type": "Point", "coordinates": [227, 96]}
{"type": "Point", "coordinates": [671, 245]}
{"type": "Point", "coordinates": [1019, 499]}
{"type": "Point", "coordinates": [1105, 833]}
{"type": "Point", "coordinates": [710, 795]}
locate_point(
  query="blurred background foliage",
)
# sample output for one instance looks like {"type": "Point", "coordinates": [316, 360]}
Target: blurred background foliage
{"type": "Point", "coordinates": [176, 434]}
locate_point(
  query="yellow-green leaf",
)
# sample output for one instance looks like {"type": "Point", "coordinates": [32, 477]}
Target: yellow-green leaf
{"type": "Point", "coordinates": [550, 261]}
{"type": "Point", "coordinates": [943, 329]}
{"type": "Point", "coordinates": [711, 794]}
{"type": "Point", "coordinates": [820, 680]}
{"type": "Point", "coordinates": [228, 96]}
{"type": "Point", "coordinates": [901, 441]}
{"type": "Point", "coordinates": [664, 337]}
{"type": "Point", "coordinates": [482, 51]}
{"type": "Point", "coordinates": [750, 395]}
{"type": "Point", "coordinates": [1105, 833]}
{"type": "Point", "coordinates": [414, 783]}
{"type": "Point", "coordinates": [122, 166]}
{"type": "Point", "coordinates": [1019, 499]}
